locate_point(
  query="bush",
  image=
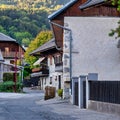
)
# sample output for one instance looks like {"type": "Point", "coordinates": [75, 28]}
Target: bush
{"type": "Point", "coordinates": [27, 71]}
{"type": "Point", "coordinates": [60, 92]}
{"type": "Point", "coordinates": [8, 77]}
{"type": "Point", "coordinates": [9, 86]}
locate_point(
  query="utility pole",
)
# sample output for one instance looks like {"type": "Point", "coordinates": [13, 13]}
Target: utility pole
{"type": "Point", "coordinates": [15, 71]}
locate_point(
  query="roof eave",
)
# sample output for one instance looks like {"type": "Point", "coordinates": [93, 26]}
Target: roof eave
{"type": "Point", "coordinates": [56, 13]}
{"type": "Point", "coordinates": [37, 53]}
{"type": "Point", "coordinates": [91, 3]}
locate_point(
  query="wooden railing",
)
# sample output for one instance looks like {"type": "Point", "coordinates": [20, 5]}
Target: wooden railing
{"type": "Point", "coordinates": [11, 54]}
{"type": "Point", "coordinates": [43, 69]}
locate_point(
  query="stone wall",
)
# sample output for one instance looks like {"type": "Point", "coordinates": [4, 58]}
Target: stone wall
{"type": "Point", "coordinates": [104, 107]}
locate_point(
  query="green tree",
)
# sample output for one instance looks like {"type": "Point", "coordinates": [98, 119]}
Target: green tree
{"type": "Point", "coordinates": [40, 39]}
{"type": "Point", "coordinates": [116, 3]}
{"type": "Point", "coordinates": [25, 42]}
{"type": "Point", "coordinates": [20, 16]}
{"type": "Point", "coordinates": [2, 30]}
{"type": "Point", "coordinates": [22, 35]}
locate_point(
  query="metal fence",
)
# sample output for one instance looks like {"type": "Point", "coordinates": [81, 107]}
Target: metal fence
{"type": "Point", "coordinates": [105, 91]}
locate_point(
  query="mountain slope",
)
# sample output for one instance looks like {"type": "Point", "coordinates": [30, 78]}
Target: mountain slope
{"type": "Point", "coordinates": [24, 19]}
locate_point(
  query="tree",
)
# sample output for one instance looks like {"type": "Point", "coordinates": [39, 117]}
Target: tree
{"type": "Point", "coordinates": [22, 35]}
{"type": "Point", "coordinates": [40, 39]}
{"type": "Point", "coordinates": [116, 3]}
{"type": "Point", "coordinates": [25, 42]}
{"type": "Point", "coordinates": [2, 30]}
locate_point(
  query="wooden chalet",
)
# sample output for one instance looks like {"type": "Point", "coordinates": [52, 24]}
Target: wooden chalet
{"type": "Point", "coordinates": [11, 53]}
{"type": "Point", "coordinates": [50, 62]}
{"type": "Point", "coordinates": [77, 8]}
{"type": "Point", "coordinates": [10, 49]}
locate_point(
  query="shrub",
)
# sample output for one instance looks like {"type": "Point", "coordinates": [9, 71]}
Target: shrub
{"type": "Point", "coordinates": [9, 86]}
{"type": "Point", "coordinates": [7, 77]}
{"type": "Point", "coordinates": [60, 92]}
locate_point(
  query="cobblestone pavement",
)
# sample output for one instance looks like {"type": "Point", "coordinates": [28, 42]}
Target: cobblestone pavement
{"type": "Point", "coordinates": [31, 106]}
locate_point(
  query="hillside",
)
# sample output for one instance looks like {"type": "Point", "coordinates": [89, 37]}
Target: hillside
{"type": "Point", "coordinates": [24, 19]}
{"type": "Point", "coordinates": [33, 3]}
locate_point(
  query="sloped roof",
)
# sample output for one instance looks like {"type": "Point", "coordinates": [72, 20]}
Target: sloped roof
{"type": "Point", "coordinates": [39, 61]}
{"type": "Point", "coordinates": [87, 4]}
{"type": "Point", "coordinates": [12, 65]}
{"type": "Point", "coordinates": [4, 37]}
{"type": "Point", "coordinates": [48, 45]}
{"type": "Point", "coordinates": [53, 15]}
{"type": "Point", "coordinates": [90, 3]}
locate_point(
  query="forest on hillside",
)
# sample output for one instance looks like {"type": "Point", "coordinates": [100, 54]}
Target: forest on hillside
{"type": "Point", "coordinates": [25, 4]}
{"type": "Point", "coordinates": [24, 19]}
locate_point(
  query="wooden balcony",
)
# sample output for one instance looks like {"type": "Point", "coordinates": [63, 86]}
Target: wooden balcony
{"type": "Point", "coordinates": [43, 70]}
{"type": "Point", "coordinates": [11, 54]}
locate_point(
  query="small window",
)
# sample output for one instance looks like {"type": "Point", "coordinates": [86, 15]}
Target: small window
{"type": "Point", "coordinates": [45, 81]}
{"type": "Point", "coordinates": [55, 60]}
{"type": "Point", "coordinates": [58, 59]}
{"type": "Point", "coordinates": [12, 62]}
{"type": "Point", "coordinates": [7, 49]}
{"type": "Point", "coordinates": [50, 80]}
{"type": "Point", "coordinates": [55, 78]}
{"type": "Point", "coordinates": [50, 60]}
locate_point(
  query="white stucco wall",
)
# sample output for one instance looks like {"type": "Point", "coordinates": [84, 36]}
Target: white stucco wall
{"type": "Point", "coordinates": [53, 74]}
{"type": "Point", "coordinates": [7, 61]}
{"type": "Point", "coordinates": [93, 50]}
{"type": "Point", "coordinates": [1, 72]}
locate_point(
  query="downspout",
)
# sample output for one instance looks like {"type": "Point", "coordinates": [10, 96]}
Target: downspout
{"type": "Point", "coordinates": [65, 28]}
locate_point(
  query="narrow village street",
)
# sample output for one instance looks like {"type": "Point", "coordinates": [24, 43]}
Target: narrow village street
{"type": "Point", "coordinates": [31, 106]}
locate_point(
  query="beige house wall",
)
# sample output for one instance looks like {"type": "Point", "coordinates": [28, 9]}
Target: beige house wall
{"type": "Point", "coordinates": [93, 51]}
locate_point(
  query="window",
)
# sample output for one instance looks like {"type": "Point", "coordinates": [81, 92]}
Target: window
{"type": "Point", "coordinates": [50, 60]}
{"type": "Point", "coordinates": [58, 59]}
{"type": "Point", "coordinates": [45, 81]}
{"type": "Point", "coordinates": [50, 80]}
{"type": "Point", "coordinates": [55, 78]}
{"type": "Point", "coordinates": [6, 49]}
{"type": "Point", "coordinates": [12, 62]}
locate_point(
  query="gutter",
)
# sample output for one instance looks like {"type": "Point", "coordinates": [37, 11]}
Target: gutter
{"type": "Point", "coordinates": [65, 28]}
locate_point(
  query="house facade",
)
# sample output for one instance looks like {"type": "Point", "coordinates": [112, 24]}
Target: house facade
{"type": "Point", "coordinates": [10, 49]}
{"type": "Point", "coordinates": [89, 53]}
{"type": "Point", "coordinates": [12, 54]}
{"type": "Point", "coordinates": [50, 71]}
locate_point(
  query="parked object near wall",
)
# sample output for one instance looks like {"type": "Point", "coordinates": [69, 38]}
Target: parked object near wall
{"type": "Point", "coordinates": [49, 92]}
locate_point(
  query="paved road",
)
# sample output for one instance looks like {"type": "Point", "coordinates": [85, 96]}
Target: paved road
{"type": "Point", "coordinates": [31, 106]}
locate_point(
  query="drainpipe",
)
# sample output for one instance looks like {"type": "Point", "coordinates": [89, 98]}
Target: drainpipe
{"type": "Point", "coordinates": [70, 45]}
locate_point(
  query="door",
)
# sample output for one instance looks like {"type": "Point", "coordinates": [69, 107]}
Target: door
{"type": "Point", "coordinates": [59, 83]}
{"type": "Point", "coordinates": [84, 94]}
{"type": "Point", "coordinates": [82, 91]}
{"type": "Point", "coordinates": [76, 97]}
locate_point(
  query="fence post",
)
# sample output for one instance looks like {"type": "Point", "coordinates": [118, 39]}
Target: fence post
{"type": "Point", "coordinates": [79, 84]}
{"type": "Point", "coordinates": [87, 92]}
